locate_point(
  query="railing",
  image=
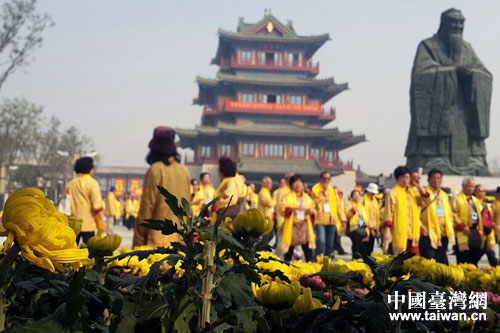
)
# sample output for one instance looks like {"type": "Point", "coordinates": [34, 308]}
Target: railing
{"type": "Point", "coordinates": [234, 62]}
{"type": "Point", "coordinates": [330, 114]}
{"type": "Point", "coordinates": [208, 110]}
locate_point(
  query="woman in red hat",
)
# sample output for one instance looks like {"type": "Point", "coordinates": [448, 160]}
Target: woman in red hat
{"type": "Point", "coordinates": [166, 171]}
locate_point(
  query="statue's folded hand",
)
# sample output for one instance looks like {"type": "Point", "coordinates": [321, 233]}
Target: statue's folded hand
{"type": "Point", "coordinates": [464, 71]}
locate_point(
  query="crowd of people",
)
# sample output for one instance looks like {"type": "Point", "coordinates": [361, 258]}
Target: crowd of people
{"type": "Point", "coordinates": [427, 221]}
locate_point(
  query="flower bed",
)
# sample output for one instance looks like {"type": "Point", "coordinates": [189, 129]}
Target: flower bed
{"type": "Point", "coordinates": [213, 280]}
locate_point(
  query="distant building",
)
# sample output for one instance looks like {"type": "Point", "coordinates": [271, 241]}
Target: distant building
{"type": "Point", "coordinates": [125, 179]}
{"type": "Point", "coordinates": [265, 106]}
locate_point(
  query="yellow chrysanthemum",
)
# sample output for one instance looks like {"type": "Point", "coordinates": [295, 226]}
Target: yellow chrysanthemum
{"type": "Point", "coordinates": [299, 268]}
{"type": "Point", "coordinates": [305, 303]}
{"type": "Point", "coordinates": [42, 233]}
{"type": "Point", "coordinates": [276, 294]}
{"type": "Point", "coordinates": [334, 280]}
{"type": "Point", "coordinates": [250, 224]}
{"type": "Point", "coordinates": [107, 243]}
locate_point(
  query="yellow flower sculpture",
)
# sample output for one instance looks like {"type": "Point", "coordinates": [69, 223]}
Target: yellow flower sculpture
{"type": "Point", "coordinates": [305, 303]}
{"type": "Point", "coordinates": [250, 224]}
{"type": "Point", "coordinates": [42, 233]}
{"type": "Point", "coordinates": [276, 295]}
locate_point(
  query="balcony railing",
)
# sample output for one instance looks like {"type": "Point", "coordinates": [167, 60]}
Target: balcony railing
{"type": "Point", "coordinates": [234, 62]}
{"type": "Point", "coordinates": [256, 107]}
{"type": "Point", "coordinates": [329, 114]}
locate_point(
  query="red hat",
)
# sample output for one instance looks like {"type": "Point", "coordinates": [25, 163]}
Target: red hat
{"type": "Point", "coordinates": [163, 140]}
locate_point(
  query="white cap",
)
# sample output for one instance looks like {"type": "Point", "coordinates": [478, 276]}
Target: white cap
{"type": "Point", "coordinates": [372, 188]}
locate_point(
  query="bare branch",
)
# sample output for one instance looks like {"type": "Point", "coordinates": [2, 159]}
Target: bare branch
{"type": "Point", "coordinates": [20, 34]}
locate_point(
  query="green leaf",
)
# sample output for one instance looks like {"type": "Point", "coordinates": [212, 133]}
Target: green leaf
{"type": "Point", "coordinates": [205, 210]}
{"type": "Point", "coordinates": [181, 323]}
{"type": "Point", "coordinates": [237, 289]}
{"type": "Point", "coordinates": [227, 242]}
{"type": "Point", "coordinates": [277, 274]}
{"type": "Point", "coordinates": [128, 318]}
{"type": "Point", "coordinates": [142, 254]}
{"type": "Point", "coordinates": [172, 202]}
{"type": "Point", "coordinates": [398, 261]}
{"type": "Point", "coordinates": [186, 207]}
{"type": "Point", "coordinates": [245, 317]}
{"type": "Point", "coordinates": [167, 227]}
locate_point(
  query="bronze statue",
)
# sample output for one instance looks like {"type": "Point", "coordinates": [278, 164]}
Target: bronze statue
{"type": "Point", "coordinates": [449, 103]}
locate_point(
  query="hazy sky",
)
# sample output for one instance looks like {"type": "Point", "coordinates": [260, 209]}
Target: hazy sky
{"type": "Point", "coordinates": [117, 69]}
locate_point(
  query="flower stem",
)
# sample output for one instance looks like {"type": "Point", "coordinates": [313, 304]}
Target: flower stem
{"type": "Point", "coordinates": [207, 284]}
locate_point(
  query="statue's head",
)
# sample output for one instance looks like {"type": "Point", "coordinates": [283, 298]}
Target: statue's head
{"type": "Point", "coordinates": [452, 22]}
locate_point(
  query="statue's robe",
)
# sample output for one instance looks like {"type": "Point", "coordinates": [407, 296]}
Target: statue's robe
{"type": "Point", "coordinates": [450, 113]}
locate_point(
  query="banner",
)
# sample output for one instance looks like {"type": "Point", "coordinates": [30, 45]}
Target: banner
{"type": "Point", "coordinates": [119, 182]}
{"type": "Point", "coordinates": [135, 184]}
{"type": "Point", "coordinates": [230, 105]}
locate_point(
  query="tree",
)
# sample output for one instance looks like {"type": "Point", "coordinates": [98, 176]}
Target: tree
{"type": "Point", "coordinates": [42, 151]}
{"type": "Point", "coordinates": [19, 129]}
{"type": "Point", "coordinates": [20, 34]}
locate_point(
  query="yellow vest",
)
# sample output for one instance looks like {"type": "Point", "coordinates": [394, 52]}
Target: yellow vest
{"type": "Point", "coordinates": [372, 209]}
{"type": "Point", "coordinates": [353, 218]}
{"type": "Point", "coordinates": [326, 218]}
{"type": "Point", "coordinates": [86, 200]}
{"type": "Point", "coordinates": [266, 202]}
{"type": "Point", "coordinates": [291, 200]}
{"type": "Point", "coordinates": [430, 220]}
{"type": "Point", "coordinates": [462, 213]}
{"type": "Point", "coordinates": [400, 205]}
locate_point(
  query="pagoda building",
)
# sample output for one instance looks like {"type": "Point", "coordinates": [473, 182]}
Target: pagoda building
{"type": "Point", "coordinates": [265, 108]}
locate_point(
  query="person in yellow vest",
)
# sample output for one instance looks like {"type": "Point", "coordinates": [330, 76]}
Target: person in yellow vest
{"type": "Point", "coordinates": [242, 190]}
{"type": "Point", "coordinates": [196, 201]}
{"type": "Point", "coordinates": [468, 223]}
{"type": "Point", "coordinates": [337, 243]}
{"type": "Point", "coordinates": [281, 184]}
{"type": "Point", "coordinates": [401, 215]}
{"type": "Point", "coordinates": [279, 210]}
{"type": "Point", "coordinates": [298, 228]}
{"type": "Point", "coordinates": [265, 205]}
{"type": "Point", "coordinates": [86, 200]}
{"type": "Point", "coordinates": [207, 191]}
{"type": "Point", "coordinates": [252, 197]}
{"type": "Point", "coordinates": [372, 209]}
{"type": "Point", "coordinates": [436, 231]}
{"type": "Point", "coordinates": [132, 210]}
{"type": "Point", "coordinates": [357, 223]}
{"type": "Point", "coordinates": [165, 170]}
{"type": "Point", "coordinates": [328, 214]}
{"type": "Point", "coordinates": [266, 201]}
{"type": "Point", "coordinates": [496, 214]}
{"type": "Point", "coordinates": [118, 209]}
{"type": "Point", "coordinates": [228, 192]}
{"type": "Point", "coordinates": [110, 210]}
{"type": "Point", "coordinates": [488, 225]}
{"type": "Point", "coordinates": [279, 196]}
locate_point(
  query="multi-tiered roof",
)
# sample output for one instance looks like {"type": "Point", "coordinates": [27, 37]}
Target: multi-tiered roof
{"type": "Point", "coordinates": [266, 103]}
